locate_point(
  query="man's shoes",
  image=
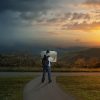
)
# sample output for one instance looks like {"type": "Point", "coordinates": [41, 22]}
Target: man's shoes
{"type": "Point", "coordinates": [42, 81]}
{"type": "Point", "coordinates": [50, 81]}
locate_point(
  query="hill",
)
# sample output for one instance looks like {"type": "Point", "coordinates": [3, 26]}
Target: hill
{"type": "Point", "coordinates": [89, 57]}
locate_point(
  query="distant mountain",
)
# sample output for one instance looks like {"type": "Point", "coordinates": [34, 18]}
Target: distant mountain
{"type": "Point", "coordinates": [92, 52]}
{"type": "Point", "coordinates": [35, 50]}
{"type": "Point", "coordinates": [87, 53]}
{"type": "Point", "coordinates": [63, 53]}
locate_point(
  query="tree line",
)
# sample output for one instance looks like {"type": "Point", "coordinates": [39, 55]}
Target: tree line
{"type": "Point", "coordinates": [26, 60]}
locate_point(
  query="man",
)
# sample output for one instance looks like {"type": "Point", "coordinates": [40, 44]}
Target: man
{"type": "Point", "coordinates": [46, 63]}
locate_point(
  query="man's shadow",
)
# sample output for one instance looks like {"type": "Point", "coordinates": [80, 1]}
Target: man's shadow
{"type": "Point", "coordinates": [38, 86]}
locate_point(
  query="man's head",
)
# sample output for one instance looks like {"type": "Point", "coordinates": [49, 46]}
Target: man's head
{"type": "Point", "coordinates": [47, 51]}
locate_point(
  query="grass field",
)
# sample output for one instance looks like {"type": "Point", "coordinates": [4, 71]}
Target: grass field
{"type": "Point", "coordinates": [82, 87]}
{"type": "Point", "coordinates": [12, 88]}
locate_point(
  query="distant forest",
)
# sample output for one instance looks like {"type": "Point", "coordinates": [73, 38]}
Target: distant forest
{"type": "Point", "coordinates": [89, 58]}
{"type": "Point", "coordinates": [18, 60]}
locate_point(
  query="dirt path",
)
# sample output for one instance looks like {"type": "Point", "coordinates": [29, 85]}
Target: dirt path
{"type": "Point", "coordinates": [35, 90]}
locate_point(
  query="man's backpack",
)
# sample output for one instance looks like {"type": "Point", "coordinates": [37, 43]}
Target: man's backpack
{"type": "Point", "coordinates": [45, 60]}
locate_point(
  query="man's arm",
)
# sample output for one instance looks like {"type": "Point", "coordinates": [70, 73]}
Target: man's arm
{"type": "Point", "coordinates": [49, 62]}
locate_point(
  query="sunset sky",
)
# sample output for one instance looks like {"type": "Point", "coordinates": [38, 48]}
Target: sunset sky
{"type": "Point", "coordinates": [58, 23]}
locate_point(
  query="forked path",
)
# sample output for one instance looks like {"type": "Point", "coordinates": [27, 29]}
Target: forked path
{"type": "Point", "coordinates": [35, 90]}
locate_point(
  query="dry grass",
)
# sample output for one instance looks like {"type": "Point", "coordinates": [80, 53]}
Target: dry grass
{"type": "Point", "coordinates": [82, 87]}
{"type": "Point", "coordinates": [12, 88]}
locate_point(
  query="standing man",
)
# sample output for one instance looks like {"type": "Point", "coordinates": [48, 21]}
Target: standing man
{"type": "Point", "coordinates": [46, 63]}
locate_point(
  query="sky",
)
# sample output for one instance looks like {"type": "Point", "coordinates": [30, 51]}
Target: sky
{"type": "Point", "coordinates": [57, 23]}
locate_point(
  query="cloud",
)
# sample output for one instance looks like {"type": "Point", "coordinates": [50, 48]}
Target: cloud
{"type": "Point", "coordinates": [25, 9]}
{"type": "Point", "coordinates": [22, 5]}
{"type": "Point", "coordinates": [90, 4]}
{"type": "Point", "coordinates": [93, 3]}
{"type": "Point", "coordinates": [77, 16]}
{"type": "Point", "coordinates": [84, 26]}
{"type": "Point", "coordinates": [28, 11]}
{"type": "Point", "coordinates": [60, 18]}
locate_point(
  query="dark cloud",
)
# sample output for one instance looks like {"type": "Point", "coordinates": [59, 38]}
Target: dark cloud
{"type": "Point", "coordinates": [16, 17]}
{"type": "Point", "coordinates": [33, 10]}
{"type": "Point", "coordinates": [21, 12]}
{"type": "Point", "coordinates": [22, 5]}
{"type": "Point", "coordinates": [27, 15]}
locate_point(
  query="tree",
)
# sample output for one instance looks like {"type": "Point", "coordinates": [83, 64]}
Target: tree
{"type": "Point", "coordinates": [93, 62]}
{"type": "Point", "coordinates": [80, 62]}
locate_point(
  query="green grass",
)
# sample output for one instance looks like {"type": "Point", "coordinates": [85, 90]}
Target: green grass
{"type": "Point", "coordinates": [81, 87]}
{"type": "Point", "coordinates": [12, 88]}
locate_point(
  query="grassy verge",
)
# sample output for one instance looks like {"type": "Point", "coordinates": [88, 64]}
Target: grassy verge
{"type": "Point", "coordinates": [76, 69]}
{"type": "Point", "coordinates": [12, 88]}
{"type": "Point", "coordinates": [39, 69]}
{"type": "Point", "coordinates": [20, 69]}
{"type": "Point", "coordinates": [82, 87]}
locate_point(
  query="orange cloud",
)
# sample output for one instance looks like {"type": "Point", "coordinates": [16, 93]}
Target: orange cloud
{"type": "Point", "coordinates": [77, 16]}
{"type": "Point", "coordinates": [83, 26]}
{"type": "Point", "coordinates": [94, 4]}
